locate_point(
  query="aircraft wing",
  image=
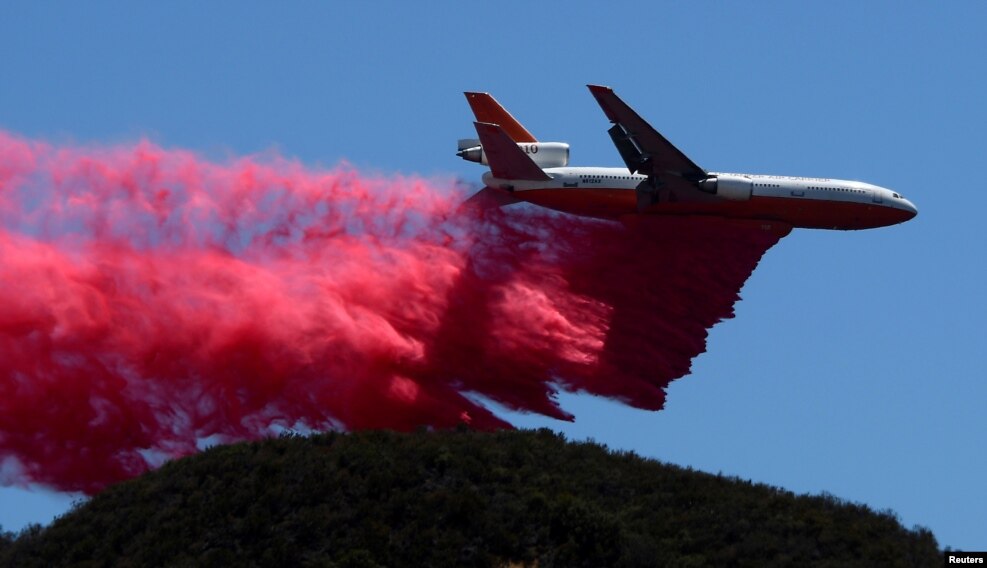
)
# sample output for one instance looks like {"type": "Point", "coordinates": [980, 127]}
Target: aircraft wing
{"type": "Point", "coordinates": [643, 149]}
{"type": "Point", "coordinates": [507, 160]}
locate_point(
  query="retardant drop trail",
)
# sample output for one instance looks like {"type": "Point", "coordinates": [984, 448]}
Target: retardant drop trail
{"type": "Point", "coordinates": [152, 299]}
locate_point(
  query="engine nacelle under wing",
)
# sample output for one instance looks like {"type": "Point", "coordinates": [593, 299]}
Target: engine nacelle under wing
{"type": "Point", "coordinates": [732, 187]}
{"type": "Point", "coordinates": [544, 154]}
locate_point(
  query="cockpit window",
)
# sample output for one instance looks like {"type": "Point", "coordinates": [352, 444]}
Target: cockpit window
{"type": "Point", "coordinates": [897, 196]}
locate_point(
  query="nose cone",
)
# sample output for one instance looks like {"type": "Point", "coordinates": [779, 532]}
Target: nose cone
{"type": "Point", "coordinates": [893, 209]}
{"type": "Point", "coordinates": [909, 208]}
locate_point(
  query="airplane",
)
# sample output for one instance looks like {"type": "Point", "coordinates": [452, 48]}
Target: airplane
{"type": "Point", "coordinates": [659, 179]}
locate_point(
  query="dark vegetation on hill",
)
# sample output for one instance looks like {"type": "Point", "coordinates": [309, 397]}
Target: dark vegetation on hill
{"type": "Point", "coordinates": [457, 499]}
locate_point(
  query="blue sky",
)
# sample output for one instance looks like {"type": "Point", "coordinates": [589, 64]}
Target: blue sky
{"type": "Point", "coordinates": [856, 363]}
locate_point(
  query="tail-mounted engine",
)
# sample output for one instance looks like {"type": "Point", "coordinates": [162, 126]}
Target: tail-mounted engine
{"type": "Point", "coordinates": [544, 154]}
{"type": "Point", "coordinates": [728, 186]}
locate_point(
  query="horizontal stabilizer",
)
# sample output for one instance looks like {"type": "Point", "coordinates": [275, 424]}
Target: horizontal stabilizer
{"type": "Point", "coordinates": [507, 160]}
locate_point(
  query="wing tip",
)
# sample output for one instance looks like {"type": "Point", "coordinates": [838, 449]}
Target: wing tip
{"type": "Point", "coordinates": [601, 92]}
{"type": "Point", "coordinates": [605, 97]}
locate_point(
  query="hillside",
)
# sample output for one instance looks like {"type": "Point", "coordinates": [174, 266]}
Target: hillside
{"type": "Point", "coordinates": [457, 498]}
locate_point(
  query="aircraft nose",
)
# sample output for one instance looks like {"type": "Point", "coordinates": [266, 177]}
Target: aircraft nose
{"type": "Point", "coordinates": [910, 208]}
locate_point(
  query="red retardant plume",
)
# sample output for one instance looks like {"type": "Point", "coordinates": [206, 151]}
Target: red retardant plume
{"type": "Point", "coordinates": [153, 301]}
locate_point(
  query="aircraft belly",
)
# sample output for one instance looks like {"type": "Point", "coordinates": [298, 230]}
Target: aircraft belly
{"type": "Point", "coordinates": [804, 213]}
{"type": "Point", "coordinates": [607, 203]}
{"type": "Point", "coordinates": [612, 203]}
{"type": "Point", "coordinates": [810, 213]}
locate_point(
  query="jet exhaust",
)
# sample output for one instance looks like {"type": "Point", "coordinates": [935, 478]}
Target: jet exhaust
{"type": "Point", "coordinates": [153, 299]}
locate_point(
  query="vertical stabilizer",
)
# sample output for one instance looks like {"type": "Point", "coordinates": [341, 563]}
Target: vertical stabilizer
{"type": "Point", "coordinates": [488, 110]}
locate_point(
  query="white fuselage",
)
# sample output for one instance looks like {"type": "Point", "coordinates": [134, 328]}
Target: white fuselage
{"type": "Point", "coordinates": [800, 201]}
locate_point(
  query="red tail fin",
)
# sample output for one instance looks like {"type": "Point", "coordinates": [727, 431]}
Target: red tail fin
{"type": "Point", "coordinates": [487, 109]}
